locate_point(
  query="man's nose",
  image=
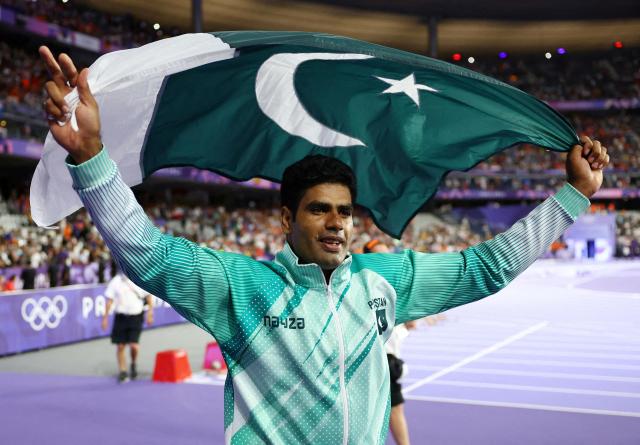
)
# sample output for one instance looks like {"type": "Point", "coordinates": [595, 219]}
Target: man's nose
{"type": "Point", "coordinates": [334, 221]}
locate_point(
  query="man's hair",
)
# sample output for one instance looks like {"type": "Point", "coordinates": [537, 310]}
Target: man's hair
{"type": "Point", "coordinates": [310, 171]}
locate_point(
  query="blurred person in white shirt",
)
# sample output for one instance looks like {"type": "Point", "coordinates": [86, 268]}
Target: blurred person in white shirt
{"type": "Point", "coordinates": [129, 301]}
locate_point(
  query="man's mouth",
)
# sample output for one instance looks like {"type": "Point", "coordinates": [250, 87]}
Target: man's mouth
{"type": "Point", "coordinates": [332, 244]}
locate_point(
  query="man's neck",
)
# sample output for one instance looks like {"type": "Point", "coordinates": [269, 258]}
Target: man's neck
{"type": "Point", "coordinates": [326, 272]}
{"type": "Point", "coordinates": [327, 275]}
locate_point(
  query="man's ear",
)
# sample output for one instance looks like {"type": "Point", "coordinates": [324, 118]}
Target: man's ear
{"type": "Point", "coordinates": [286, 219]}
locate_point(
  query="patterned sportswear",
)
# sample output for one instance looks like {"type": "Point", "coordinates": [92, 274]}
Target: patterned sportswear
{"type": "Point", "coordinates": [306, 359]}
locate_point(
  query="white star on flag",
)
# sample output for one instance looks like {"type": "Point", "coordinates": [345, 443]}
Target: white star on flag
{"type": "Point", "coordinates": [407, 86]}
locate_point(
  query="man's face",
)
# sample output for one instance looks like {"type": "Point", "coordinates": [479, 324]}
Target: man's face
{"type": "Point", "coordinates": [321, 231]}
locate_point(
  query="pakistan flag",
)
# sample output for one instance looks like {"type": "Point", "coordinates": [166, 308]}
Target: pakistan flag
{"type": "Point", "coordinates": [248, 104]}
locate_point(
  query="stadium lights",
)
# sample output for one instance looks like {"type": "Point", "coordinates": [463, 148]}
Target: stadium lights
{"type": "Point", "coordinates": [156, 26]}
{"type": "Point", "coordinates": [457, 57]}
{"type": "Point", "coordinates": [618, 44]}
{"type": "Point", "coordinates": [3, 123]}
{"type": "Point", "coordinates": [65, 1]}
{"type": "Point", "coordinates": [561, 51]}
{"type": "Point", "coordinates": [547, 55]}
{"type": "Point", "coordinates": [503, 55]}
{"type": "Point", "coordinates": [471, 60]}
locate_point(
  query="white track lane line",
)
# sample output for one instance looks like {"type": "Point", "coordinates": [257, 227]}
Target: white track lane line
{"type": "Point", "coordinates": [573, 346]}
{"type": "Point", "coordinates": [581, 334]}
{"type": "Point", "coordinates": [591, 343]}
{"type": "Point", "coordinates": [440, 358]}
{"type": "Point", "coordinates": [477, 355]}
{"type": "Point", "coordinates": [564, 409]}
{"type": "Point", "coordinates": [528, 348]}
{"type": "Point", "coordinates": [553, 375]}
{"type": "Point", "coordinates": [551, 334]}
{"type": "Point", "coordinates": [569, 354]}
{"type": "Point", "coordinates": [568, 364]}
{"type": "Point", "coordinates": [533, 388]}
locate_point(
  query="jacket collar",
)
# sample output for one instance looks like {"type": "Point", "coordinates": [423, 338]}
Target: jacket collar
{"type": "Point", "coordinates": [311, 275]}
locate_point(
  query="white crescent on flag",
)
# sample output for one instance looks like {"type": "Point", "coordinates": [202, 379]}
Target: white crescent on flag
{"type": "Point", "coordinates": [277, 98]}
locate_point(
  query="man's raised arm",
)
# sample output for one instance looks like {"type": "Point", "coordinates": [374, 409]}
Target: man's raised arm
{"type": "Point", "coordinates": [192, 279]}
{"type": "Point", "coordinates": [431, 283]}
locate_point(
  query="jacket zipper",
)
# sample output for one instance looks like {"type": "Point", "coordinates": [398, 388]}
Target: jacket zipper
{"type": "Point", "coordinates": [343, 389]}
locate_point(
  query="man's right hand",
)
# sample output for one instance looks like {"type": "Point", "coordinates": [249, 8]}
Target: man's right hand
{"type": "Point", "coordinates": [105, 323]}
{"type": "Point", "coordinates": [84, 143]}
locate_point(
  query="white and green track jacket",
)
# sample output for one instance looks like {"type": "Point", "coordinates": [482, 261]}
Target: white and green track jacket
{"type": "Point", "coordinates": [306, 359]}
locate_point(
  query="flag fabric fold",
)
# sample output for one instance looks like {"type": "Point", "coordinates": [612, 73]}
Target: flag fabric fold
{"type": "Point", "coordinates": [248, 104]}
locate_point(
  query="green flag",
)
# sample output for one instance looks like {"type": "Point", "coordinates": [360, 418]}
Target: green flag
{"type": "Point", "coordinates": [252, 103]}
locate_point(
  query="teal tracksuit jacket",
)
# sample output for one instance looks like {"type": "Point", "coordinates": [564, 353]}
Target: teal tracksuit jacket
{"type": "Point", "coordinates": [306, 358]}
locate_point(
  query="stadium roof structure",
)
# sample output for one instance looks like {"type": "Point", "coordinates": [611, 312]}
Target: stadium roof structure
{"type": "Point", "coordinates": [542, 10]}
{"type": "Point", "coordinates": [468, 26]}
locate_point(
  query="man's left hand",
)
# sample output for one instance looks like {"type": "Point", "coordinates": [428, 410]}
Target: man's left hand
{"type": "Point", "coordinates": [585, 164]}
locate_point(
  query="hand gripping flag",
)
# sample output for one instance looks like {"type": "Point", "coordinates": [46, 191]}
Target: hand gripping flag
{"type": "Point", "coordinates": [248, 104]}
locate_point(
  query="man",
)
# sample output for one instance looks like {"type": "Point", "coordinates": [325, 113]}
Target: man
{"type": "Point", "coordinates": [28, 274]}
{"type": "Point", "coordinates": [129, 302]}
{"type": "Point", "coordinates": [397, 419]}
{"type": "Point", "coordinates": [303, 336]}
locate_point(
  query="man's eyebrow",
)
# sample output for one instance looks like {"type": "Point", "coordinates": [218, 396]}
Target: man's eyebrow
{"type": "Point", "coordinates": [320, 204]}
{"type": "Point", "coordinates": [326, 206]}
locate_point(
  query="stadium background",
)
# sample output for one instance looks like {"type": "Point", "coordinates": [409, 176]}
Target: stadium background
{"type": "Point", "coordinates": [583, 58]}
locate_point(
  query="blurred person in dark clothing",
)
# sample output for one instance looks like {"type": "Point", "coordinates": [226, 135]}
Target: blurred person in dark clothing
{"type": "Point", "coordinates": [28, 275]}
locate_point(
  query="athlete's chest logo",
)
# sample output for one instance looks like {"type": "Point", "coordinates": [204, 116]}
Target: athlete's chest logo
{"type": "Point", "coordinates": [381, 320]}
{"type": "Point", "coordinates": [377, 303]}
{"type": "Point", "coordinates": [284, 322]}
{"type": "Point", "coordinates": [380, 306]}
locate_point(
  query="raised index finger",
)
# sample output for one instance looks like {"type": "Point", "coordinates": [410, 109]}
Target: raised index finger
{"type": "Point", "coordinates": [52, 66]}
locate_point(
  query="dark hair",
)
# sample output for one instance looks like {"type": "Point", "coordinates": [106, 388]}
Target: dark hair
{"type": "Point", "coordinates": [310, 171]}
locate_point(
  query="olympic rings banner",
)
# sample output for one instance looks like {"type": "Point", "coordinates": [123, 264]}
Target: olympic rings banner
{"type": "Point", "coordinates": [46, 317]}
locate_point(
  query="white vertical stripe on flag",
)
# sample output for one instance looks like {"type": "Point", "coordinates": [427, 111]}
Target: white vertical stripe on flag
{"type": "Point", "coordinates": [126, 85]}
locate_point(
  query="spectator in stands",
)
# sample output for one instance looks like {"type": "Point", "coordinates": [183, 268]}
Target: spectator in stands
{"type": "Point", "coordinates": [28, 275]}
{"type": "Point", "coordinates": [116, 30]}
{"type": "Point", "coordinates": [628, 234]}
{"type": "Point", "coordinates": [53, 270]}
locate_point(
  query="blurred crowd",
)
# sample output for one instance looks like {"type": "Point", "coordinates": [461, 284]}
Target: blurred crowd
{"type": "Point", "coordinates": [32, 257]}
{"type": "Point", "coordinates": [544, 169]}
{"type": "Point", "coordinates": [120, 30]}
{"type": "Point", "coordinates": [74, 253]}
{"type": "Point", "coordinates": [21, 91]}
{"type": "Point", "coordinates": [567, 76]}
{"type": "Point", "coordinates": [618, 132]}
{"type": "Point", "coordinates": [628, 234]}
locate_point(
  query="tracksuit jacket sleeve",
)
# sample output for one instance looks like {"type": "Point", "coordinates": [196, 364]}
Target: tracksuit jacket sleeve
{"type": "Point", "coordinates": [191, 278]}
{"type": "Point", "coordinates": [432, 283]}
